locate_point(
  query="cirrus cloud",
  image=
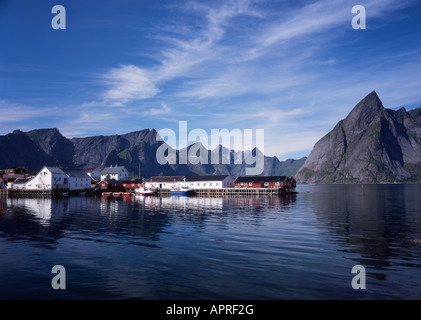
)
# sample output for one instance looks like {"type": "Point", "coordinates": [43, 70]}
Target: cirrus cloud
{"type": "Point", "coordinates": [126, 83]}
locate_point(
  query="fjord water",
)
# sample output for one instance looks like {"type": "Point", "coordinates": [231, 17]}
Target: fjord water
{"type": "Point", "coordinates": [300, 246]}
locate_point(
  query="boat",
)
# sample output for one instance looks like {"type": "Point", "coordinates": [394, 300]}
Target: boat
{"type": "Point", "coordinates": [127, 194]}
{"type": "Point", "coordinates": [182, 191]}
{"type": "Point", "coordinates": [144, 192]}
{"type": "Point", "coordinates": [107, 194]}
{"type": "Point", "coordinates": [117, 194]}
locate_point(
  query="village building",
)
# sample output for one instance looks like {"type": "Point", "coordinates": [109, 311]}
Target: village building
{"type": "Point", "coordinates": [210, 182]}
{"type": "Point", "coordinates": [77, 179]}
{"type": "Point", "coordinates": [12, 174]}
{"type": "Point", "coordinates": [111, 185]}
{"type": "Point", "coordinates": [12, 171]}
{"type": "Point", "coordinates": [193, 182]}
{"type": "Point", "coordinates": [132, 184]}
{"type": "Point", "coordinates": [53, 178]}
{"type": "Point", "coordinates": [114, 173]}
{"type": "Point", "coordinates": [282, 182]}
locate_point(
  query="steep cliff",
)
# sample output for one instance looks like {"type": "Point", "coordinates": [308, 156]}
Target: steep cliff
{"type": "Point", "coordinates": [136, 151]}
{"type": "Point", "coordinates": [371, 145]}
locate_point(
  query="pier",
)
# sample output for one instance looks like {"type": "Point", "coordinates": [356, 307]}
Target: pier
{"type": "Point", "coordinates": [217, 192]}
{"type": "Point", "coordinates": [222, 192]}
{"type": "Point", "coordinates": [40, 193]}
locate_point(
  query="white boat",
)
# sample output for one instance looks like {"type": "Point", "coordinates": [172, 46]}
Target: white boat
{"type": "Point", "coordinates": [182, 191]}
{"type": "Point", "coordinates": [144, 191]}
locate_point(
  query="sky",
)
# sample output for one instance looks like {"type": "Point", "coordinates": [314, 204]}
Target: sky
{"type": "Point", "coordinates": [291, 68]}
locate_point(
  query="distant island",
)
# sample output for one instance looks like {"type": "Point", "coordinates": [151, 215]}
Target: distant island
{"type": "Point", "coordinates": [371, 145]}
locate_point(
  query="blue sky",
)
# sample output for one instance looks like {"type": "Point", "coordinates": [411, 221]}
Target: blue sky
{"type": "Point", "coordinates": [292, 68]}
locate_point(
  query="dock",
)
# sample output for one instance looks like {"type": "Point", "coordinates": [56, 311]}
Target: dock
{"type": "Point", "coordinates": [17, 193]}
{"type": "Point", "coordinates": [222, 192]}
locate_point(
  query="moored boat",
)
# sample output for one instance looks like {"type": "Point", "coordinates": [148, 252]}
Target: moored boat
{"type": "Point", "coordinates": [182, 191]}
{"type": "Point", "coordinates": [144, 192]}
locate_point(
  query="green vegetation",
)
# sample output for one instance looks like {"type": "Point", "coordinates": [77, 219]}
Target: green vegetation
{"type": "Point", "coordinates": [125, 155]}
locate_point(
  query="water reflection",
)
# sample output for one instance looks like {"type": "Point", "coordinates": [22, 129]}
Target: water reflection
{"type": "Point", "coordinates": [46, 220]}
{"type": "Point", "coordinates": [379, 223]}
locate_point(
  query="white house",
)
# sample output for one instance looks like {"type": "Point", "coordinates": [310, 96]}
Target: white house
{"type": "Point", "coordinates": [210, 182]}
{"type": "Point", "coordinates": [116, 173]}
{"type": "Point", "coordinates": [55, 178]}
{"type": "Point", "coordinates": [194, 182]}
{"type": "Point", "coordinates": [48, 178]}
{"type": "Point", "coordinates": [168, 183]}
{"type": "Point", "coordinates": [77, 179]}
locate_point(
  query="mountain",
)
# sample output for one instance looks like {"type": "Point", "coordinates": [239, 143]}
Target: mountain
{"type": "Point", "coordinates": [371, 145]}
{"type": "Point", "coordinates": [136, 151]}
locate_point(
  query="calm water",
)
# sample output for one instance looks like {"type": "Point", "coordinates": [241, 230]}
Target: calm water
{"type": "Point", "coordinates": [294, 247]}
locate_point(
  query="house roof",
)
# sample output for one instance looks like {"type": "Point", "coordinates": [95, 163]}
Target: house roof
{"type": "Point", "coordinates": [188, 178]}
{"type": "Point", "coordinates": [260, 179]}
{"type": "Point", "coordinates": [165, 179]}
{"type": "Point", "coordinates": [75, 173]}
{"type": "Point", "coordinates": [114, 181]}
{"type": "Point", "coordinates": [112, 170]}
{"type": "Point", "coordinates": [22, 181]}
{"type": "Point", "coordinates": [133, 181]}
{"type": "Point", "coordinates": [206, 178]}
{"type": "Point", "coordinates": [55, 170]}
{"type": "Point", "coordinates": [12, 169]}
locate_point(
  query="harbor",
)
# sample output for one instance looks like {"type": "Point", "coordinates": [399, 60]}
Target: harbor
{"type": "Point", "coordinates": [116, 182]}
{"type": "Point", "coordinates": [220, 192]}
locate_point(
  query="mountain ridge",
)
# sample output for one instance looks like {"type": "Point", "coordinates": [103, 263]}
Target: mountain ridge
{"type": "Point", "coordinates": [371, 145]}
{"type": "Point", "coordinates": [135, 150]}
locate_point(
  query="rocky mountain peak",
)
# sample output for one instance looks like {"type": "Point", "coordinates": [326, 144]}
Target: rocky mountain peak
{"type": "Point", "coordinates": [371, 145]}
{"type": "Point", "coordinates": [365, 111]}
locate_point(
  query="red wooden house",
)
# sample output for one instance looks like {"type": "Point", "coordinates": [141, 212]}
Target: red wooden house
{"type": "Point", "coordinates": [111, 185]}
{"type": "Point", "coordinates": [133, 184]}
{"type": "Point", "coordinates": [262, 182]}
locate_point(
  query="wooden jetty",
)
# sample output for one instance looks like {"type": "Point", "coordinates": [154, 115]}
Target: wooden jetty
{"type": "Point", "coordinates": [39, 193]}
{"type": "Point", "coordinates": [222, 192]}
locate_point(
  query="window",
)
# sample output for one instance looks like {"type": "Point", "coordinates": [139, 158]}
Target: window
{"type": "Point", "coordinates": [210, 184]}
